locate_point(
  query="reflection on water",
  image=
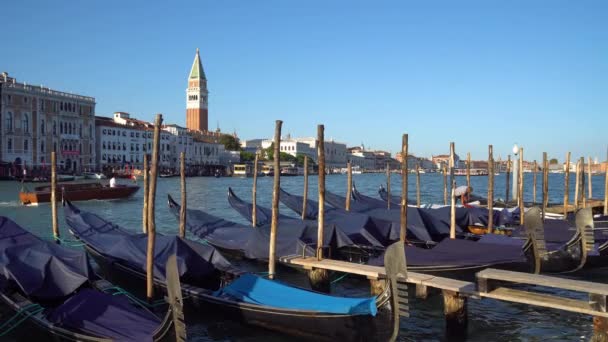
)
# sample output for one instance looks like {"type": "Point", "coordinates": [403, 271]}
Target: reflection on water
{"type": "Point", "coordinates": [489, 320]}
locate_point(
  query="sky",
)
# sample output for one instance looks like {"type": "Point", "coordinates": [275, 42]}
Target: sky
{"type": "Point", "coordinates": [476, 73]}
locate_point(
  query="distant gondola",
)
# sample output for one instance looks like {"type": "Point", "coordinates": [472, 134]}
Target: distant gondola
{"type": "Point", "coordinates": [208, 281]}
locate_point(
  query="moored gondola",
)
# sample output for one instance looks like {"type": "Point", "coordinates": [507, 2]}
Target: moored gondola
{"type": "Point", "coordinates": [225, 290]}
{"type": "Point", "coordinates": [54, 289]}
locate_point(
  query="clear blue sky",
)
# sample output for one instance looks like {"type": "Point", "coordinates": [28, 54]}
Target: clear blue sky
{"type": "Point", "coordinates": [474, 72]}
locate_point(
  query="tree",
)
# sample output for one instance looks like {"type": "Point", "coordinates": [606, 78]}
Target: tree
{"type": "Point", "coordinates": [553, 161]}
{"type": "Point", "coordinates": [283, 156]}
{"type": "Point", "coordinates": [230, 142]}
{"type": "Point", "coordinates": [247, 156]}
{"type": "Point", "coordinates": [300, 160]}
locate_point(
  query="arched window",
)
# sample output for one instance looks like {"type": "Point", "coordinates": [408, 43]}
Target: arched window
{"type": "Point", "coordinates": [42, 126]}
{"type": "Point", "coordinates": [9, 121]}
{"type": "Point", "coordinates": [26, 123]}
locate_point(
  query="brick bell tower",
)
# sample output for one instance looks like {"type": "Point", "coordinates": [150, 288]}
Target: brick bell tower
{"type": "Point", "coordinates": [197, 111]}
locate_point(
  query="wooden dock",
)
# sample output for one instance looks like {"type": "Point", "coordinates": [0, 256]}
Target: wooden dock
{"type": "Point", "coordinates": [591, 203]}
{"type": "Point", "coordinates": [491, 283]}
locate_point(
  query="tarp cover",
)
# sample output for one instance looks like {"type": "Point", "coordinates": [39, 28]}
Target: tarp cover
{"type": "Point", "coordinates": [463, 253]}
{"type": "Point", "coordinates": [263, 215]}
{"type": "Point", "coordinates": [256, 290]}
{"type": "Point", "coordinates": [293, 236]}
{"type": "Point", "coordinates": [41, 269]}
{"type": "Point", "coordinates": [104, 315]}
{"type": "Point", "coordinates": [195, 261]}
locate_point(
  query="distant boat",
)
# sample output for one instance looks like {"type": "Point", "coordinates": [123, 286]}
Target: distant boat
{"type": "Point", "coordinates": [242, 170]}
{"type": "Point", "coordinates": [77, 192]}
{"type": "Point", "coordinates": [289, 171]}
{"type": "Point", "coordinates": [94, 175]}
{"type": "Point", "coordinates": [474, 172]}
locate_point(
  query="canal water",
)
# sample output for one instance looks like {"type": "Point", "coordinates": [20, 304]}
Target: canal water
{"type": "Point", "coordinates": [488, 320]}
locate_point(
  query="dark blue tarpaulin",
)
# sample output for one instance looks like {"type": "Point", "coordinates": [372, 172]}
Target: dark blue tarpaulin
{"type": "Point", "coordinates": [41, 269]}
{"type": "Point", "coordinates": [194, 260]}
{"type": "Point", "coordinates": [104, 315]}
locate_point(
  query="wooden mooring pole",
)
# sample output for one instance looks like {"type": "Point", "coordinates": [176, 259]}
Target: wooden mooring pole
{"type": "Point", "coordinates": [445, 185]}
{"type": "Point", "coordinates": [404, 174]}
{"type": "Point", "coordinates": [305, 195]}
{"type": "Point", "coordinates": [388, 185]}
{"type": "Point", "coordinates": [349, 185]}
{"type": "Point", "coordinates": [254, 220]}
{"type": "Point", "coordinates": [577, 183]}
{"type": "Point", "coordinates": [453, 188]}
{"type": "Point", "coordinates": [508, 180]}
{"type": "Point", "coordinates": [567, 186]}
{"type": "Point", "coordinates": [545, 185]}
{"type": "Point", "coordinates": [144, 220]}
{"type": "Point", "coordinates": [490, 189]}
{"type": "Point", "coordinates": [54, 195]}
{"type": "Point", "coordinates": [534, 172]}
{"type": "Point", "coordinates": [275, 199]}
{"type": "Point", "coordinates": [590, 194]}
{"type": "Point", "coordinates": [606, 188]}
{"type": "Point", "coordinates": [468, 169]}
{"type": "Point", "coordinates": [520, 188]}
{"type": "Point", "coordinates": [583, 196]}
{"type": "Point", "coordinates": [182, 211]}
{"type": "Point", "coordinates": [455, 311]}
{"type": "Point", "coordinates": [418, 184]}
{"type": "Point", "coordinates": [151, 211]}
{"type": "Point", "coordinates": [319, 277]}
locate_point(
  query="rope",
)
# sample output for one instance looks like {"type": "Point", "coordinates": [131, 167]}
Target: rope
{"type": "Point", "coordinates": [120, 291]}
{"type": "Point", "coordinates": [36, 309]}
{"type": "Point", "coordinates": [339, 278]}
{"type": "Point", "coordinates": [67, 242]}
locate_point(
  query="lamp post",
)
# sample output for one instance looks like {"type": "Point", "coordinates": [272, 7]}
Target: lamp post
{"type": "Point", "coordinates": [514, 183]}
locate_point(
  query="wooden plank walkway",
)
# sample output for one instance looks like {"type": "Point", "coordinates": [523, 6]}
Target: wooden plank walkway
{"type": "Point", "coordinates": [559, 209]}
{"type": "Point", "coordinates": [486, 287]}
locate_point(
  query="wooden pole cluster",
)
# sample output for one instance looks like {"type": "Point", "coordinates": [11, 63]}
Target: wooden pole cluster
{"type": "Point", "coordinates": [388, 185]}
{"type": "Point", "coordinates": [349, 185]}
{"type": "Point", "coordinates": [508, 179]}
{"type": "Point", "coordinates": [418, 184]}
{"type": "Point", "coordinates": [445, 185]}
{"type": "Point", "coordinates": [469, 169]}
{"type": "Point", "coordinates": [453, 188]}
{"type": "Point", "coordinates": [545, 184]}
{"type": "Point", "coordinates": [145, 208]}
{"type": "Point", "coordinates": [567, 186]}
{"type": "Point", "coordinates": [254, 212]}
{"type": "Point", "coordinates": [182, 211]}
{"type": "Point", "coordinates": [54, 195]}
{"type": "Point", "coordinates": [583, 196]}
{"type": "Point", "coordinates": [534, 172]}
{"type": "Point", "coordinates": [305, 195]}
{"type": "Point", "coordinates": [151, 219]}
{"type": "Point", "coordinates": [275, 199]}
{"type": "Point", "coordinates": [404, 174]}
{"type": "Point", "coordinates": [490, 189]}
{"type": "Point", "coordinates": [520, 188]}
{"type": "Point", "coordinates": [321, 214]}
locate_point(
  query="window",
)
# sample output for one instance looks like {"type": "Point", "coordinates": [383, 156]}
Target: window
{"type": "Point", "coordinates": [55, 147]}
{"type": "Point", "coordinates": [9, 144]}
{"type": "Point", "coordinates": [25, 145]}
{"type": "Point", "coordinates": [42, 146]}
{"type": "Point", "coordinates": [25, 99]}
{"type": "Point", "coordinates": [42, 127]}
{"type": "Point", "coordinates": [80, 131]}
{"type": "Point", "coordinates": [9, 121]}
{"type": "Point", "coordinates": [26, 123]}
{"type": "Point", "coordinates": [104, 145]}
{"type": "Point", "coordinates": [54, 127]}
{"type": "Point", "coordinates": [90, 130]}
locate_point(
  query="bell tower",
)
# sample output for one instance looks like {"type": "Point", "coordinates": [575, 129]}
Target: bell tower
{"type": "Point", "coordinates": [196, 97]}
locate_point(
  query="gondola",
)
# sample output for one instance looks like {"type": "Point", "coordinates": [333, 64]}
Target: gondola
{"type": "Point", "coordinates": [458, 258]}
{"type": "Point", "coordinates": [556, 255]}
{"type": "Point", "coordinates": [56, 291]}
{"type": "Point", "coordinates": [209, 281]}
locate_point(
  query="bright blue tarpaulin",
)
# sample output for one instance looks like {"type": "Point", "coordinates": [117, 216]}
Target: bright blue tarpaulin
{"type": "Point", "coordinates": [250, 288]}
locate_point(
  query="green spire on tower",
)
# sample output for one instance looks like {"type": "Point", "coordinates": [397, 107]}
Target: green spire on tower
{"type": "Point", "coordinates": [197, 68]}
